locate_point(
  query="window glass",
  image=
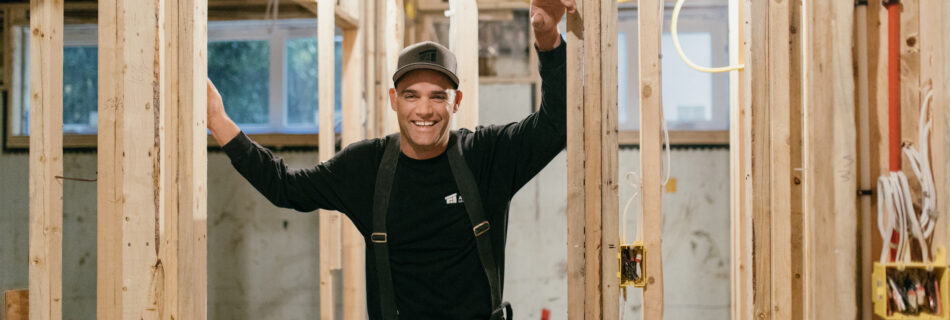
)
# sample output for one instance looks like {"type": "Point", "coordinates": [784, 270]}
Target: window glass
{"type": "Point", "coordinates": [687, 93]}
{"type": "Point", "coordinates": [303, 89]}
{"type": "Point", "coordinates": [241, 72]}
{"type": "Point", "coordinates": [692, 100]}
{"type": "Point", "coordinates": [80, 89]}
{"type": "Point", "coordinates": [266, 72]}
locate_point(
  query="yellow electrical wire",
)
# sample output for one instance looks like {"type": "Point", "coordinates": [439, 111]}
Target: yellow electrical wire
{"type": "Point", "coordinates": [676, 43]}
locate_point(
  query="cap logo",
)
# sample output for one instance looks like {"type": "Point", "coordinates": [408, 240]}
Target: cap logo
{"type": "Point", "coordinates": [428, 55]}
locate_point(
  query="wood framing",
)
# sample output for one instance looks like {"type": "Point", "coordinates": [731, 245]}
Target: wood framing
{"type": "Point", "coordinates": [394, 33]}
{"type": "Point", "coordinates": [152, 201]}
{"type": "Point", "coordinates": [593, 236]}
{"type": "Point", "coordinates": [933, 76]}
{"type": "Point", "coordinates": [941, 133]}
{"type": "Point", "coordinates": [131, 132]}
{"type": "Point", "coordinates": [865, 177]}
{"type": "Point", "coordinates": [182, 243]}
{"type": "Point", "coordinates": [576, 197]}
{"type": "Point", "coordinates": [463, 41]}
{"type": "Point", "coordinates": [330, 224]}
{"type": "Point", "coordinates": [610, 211]}
{"type": "Point", "coordinates": [46, 160]}
{"type": "Point", "coordinates": [650, 28]}
{"type": "Point", "coordinates": [830, 218]}
{"type": "Point", "coordinates": [878, 160]}
{"type": "Point", "coordinates": [779, 158]}
{"type": "Point", "coordinates": [766, 160]}
{"type": "Point", "coordinates": [354, 247]}
{"type": "Point", "coordinates": [740, 158]}
{"type": "Point", "coordinates": [16, 305]}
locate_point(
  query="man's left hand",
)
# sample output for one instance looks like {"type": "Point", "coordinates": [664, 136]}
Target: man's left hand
{"type": "Point", "coordinates": [545, 16]}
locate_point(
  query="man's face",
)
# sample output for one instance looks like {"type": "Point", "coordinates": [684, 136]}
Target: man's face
{"type": "Point", "coordinates": [424, 105]}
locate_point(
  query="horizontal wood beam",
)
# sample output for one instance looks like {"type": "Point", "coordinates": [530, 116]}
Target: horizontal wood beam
{"type": "Point", "coordinates": [342, 18]}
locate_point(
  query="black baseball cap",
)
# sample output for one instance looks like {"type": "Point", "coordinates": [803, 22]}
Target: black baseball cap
{"type": "Point", "coordinates": [430, 56]}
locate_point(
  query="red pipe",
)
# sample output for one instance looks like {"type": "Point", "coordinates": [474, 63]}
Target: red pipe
{"type": "Point", "coordinates": [894, 85]}
{"type": "Point", "coordinates": [893, 99]}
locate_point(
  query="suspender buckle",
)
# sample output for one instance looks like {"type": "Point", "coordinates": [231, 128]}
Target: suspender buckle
{"type": "Point", "coordinates": [379, 237]}
{"type": "Point", "coordinates": [481, 228]}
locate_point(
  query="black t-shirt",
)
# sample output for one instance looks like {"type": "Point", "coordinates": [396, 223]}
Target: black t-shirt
{"type": "Point", "coordinates": [433, 257]}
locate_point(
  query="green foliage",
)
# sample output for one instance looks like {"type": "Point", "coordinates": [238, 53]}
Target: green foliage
{"type": "Point", "coordinates": [241, 72]}
{"type": "Point", "coordinates": [80, 87]}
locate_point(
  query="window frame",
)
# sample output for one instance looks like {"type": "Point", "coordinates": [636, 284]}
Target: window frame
{"type": "Point", "coordinates": [277, 133]}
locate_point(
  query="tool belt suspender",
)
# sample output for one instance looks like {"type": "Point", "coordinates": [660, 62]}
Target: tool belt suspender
{"type": "Point", "coordinates": [473, 205]}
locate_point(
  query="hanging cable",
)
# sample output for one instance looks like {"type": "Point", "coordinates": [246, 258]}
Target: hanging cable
{"type": "Point", "coordinates": [896, 214]}
{"type": "Point", "coordinates": [679, 50]}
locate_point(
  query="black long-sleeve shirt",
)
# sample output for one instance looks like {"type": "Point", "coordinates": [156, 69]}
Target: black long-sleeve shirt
{"type": "Point", "coordinates": [435, 266]}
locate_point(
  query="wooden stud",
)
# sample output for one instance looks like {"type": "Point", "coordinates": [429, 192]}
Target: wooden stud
{"type": "Point", "coordinates": [779, 158]}
{"type": "Point", "coordinates": [910, 86]}
{"type": "Point", "coordinates": [650, 22]}
{"type": "Point", "coordinates": [576, 198]}
{"type": "Point", "coordinates": [131, 138]}
{"type": "Point", "coordinates": [829, 155]}
{"type": "Point", "coordinates": [865, 177]}
{"type": "Point", "coordinates": [610, 214]}
{"type": "Point", "coordinates": [46, 160]}
{"type": "Point", "coordinates": [593, 176]}
{"type": "Point", "coordinates": [757, 102]}
{"type": "Point", "coordinates": [183, 246]}
{"type": "Point", "coordinates": [878, 163]}
{"type": "Point", "coordinates": [394, 37]}
{"type": "Point", "coordinates": [16, 305]}
{"type": "Point", "coordinates": [463, 41]}
{"type": "Point", "coordinates": [941, 137]}
{"type": "Point", "coordinates": [795, 153]}
{"type": "Point", "coordinates": [740, 159]}
{"type": "Point", "coordinates": [330, 225]}
{"type": "Point", "coordinates": [354, 248]}
{"type": "Point", "coordinates": [372, 90]}
{"type": "Point", "coordinates": [933, 77]}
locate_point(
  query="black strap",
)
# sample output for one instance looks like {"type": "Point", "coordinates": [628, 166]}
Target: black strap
{"type": "Point", "coordinates": [384, 185]}
{"type": "Point", "coordinates": [476, 213]}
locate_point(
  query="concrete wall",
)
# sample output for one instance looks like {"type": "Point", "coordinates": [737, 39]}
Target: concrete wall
{"type": "Point", "coordinates": [263, 261]}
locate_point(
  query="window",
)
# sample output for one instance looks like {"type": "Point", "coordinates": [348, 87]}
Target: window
{"type": "Point", "coordinates": [692, 100]}
{"type": "Point", "coordinates": [266, 72]}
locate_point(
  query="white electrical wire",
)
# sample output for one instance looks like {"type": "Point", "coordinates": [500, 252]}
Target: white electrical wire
{"type": "Point", "coordinates": [679, 50]}
{"type": "Point", "coordinates": [633, 180]}
{"type": "Point", "coordinates": [895, 202]}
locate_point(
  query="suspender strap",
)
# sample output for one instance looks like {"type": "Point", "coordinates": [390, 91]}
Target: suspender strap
{"type": "Point", "coordinates": [384, 183]}
{"type": "Point", "coordinates": [476, 213]}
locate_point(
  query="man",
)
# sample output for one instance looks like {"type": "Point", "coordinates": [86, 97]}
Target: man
{"type": "Point", "coordinates": [431, 203]}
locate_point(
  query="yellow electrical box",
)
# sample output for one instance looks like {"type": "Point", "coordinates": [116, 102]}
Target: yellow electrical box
{"type": "Point", "coordinates": [632, 268]}
{"type": "Point", "coordinates": [937, 268]}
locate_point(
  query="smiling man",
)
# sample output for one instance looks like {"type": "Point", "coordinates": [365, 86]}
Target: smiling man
{"type": "Point", "coordinates": [432, 203]}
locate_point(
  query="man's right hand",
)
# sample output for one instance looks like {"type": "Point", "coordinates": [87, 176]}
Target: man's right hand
{"type": "Point", "coordinates": [221, 126]}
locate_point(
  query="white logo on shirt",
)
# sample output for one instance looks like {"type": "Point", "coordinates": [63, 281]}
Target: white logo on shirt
{"type": "Point", "coordinates": [453, 199]}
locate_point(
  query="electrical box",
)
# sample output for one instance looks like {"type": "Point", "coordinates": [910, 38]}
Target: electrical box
{"type": "Point", "coordinates": [632, 269]}
{"type": "Point", "coordinates": [905, 279]}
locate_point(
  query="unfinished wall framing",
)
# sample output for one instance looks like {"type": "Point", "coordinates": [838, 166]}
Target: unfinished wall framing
{"type": "Point", "coordinates": [152, 249]}
{"type": "Point", "coordinates": [592, 204]}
